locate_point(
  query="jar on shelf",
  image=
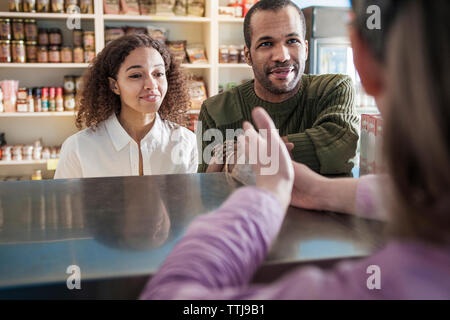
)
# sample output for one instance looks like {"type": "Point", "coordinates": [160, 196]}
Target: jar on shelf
{"type": "Point", "coordinates": [5, 29]}
{"type": "Point", "coordinates": [89, 55]}
{"type": "Point", "coordinates": [18, 51]}
{"type": "Point", "coordinates": [77, 38]}
{"type": "Point", "coordinates": [15, 6]}
{"type": "Point", "coordinates": [37, 175]}
{"type": "Point", "coordinates": [31, 31]}
{"type": "Point", "coordinates": [78, 55]}
{"type": "Point", "coordinates": [45, 153]}
{"type": "Point", "coordinates": [27, 153]}
{"type": "Point", "coordinates": [43, 37]}
{"type": "Point", "coordinates": [31, 47]}
{"type": "Point", "coordinates": [86, 6]}
{"type": "Point", "coordinates": [7, 153]}
{"type": "Point", "coordinates": [78, 83]}
{"type": "Point", "coordinates": [29, 5]}
{"type": "Point", "coordinates": [69, 85]}
{"type": "Point", "coordinates": [22, 94]}
{"type": "Point", "coordinates": [5, 51]}
{"type": "Point", "coordinates": [17, 153]}
{"type": "Point", "coordinates": [66, 54]}
{"type": "Point", "coordinates": [43, 6]}
{"type": "Point", "coordinates": [18, 29]}
{"type": "Point", "coordinates": [57, 6]}
{"type": "Point", "coordinates": [54, 54]}
{"type": "Point", "coordinates": [69, 102]}
{"type": "Point", "coordinates": [37, 100]}
{"type": "Point", "coordinates": [89, 40]}
{"type": "Point", "coordinates": [55, 37]}
{"type": "Point", "coordinates": [42, 56]}
{"type": "Point", "coordinates": [70, 5]}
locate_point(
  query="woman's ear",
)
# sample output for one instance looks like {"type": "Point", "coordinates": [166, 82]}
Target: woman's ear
{"type": "Point", "coordinates": [248, 56]}
{"type": "Point", "coordinates": [113, 86]}
{"type": "Point", "coordinates": [369, 68]}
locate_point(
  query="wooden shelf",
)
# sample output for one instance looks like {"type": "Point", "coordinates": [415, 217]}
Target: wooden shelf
{"type": "Point", "coordinates": [44, 65]}
{"type": "Point", "coordinates": [119, 17]}
{"type": "Point", "coordinates": [234, 65]}
{"type": "Point", "coordinates": [37, 114]}
{"type": "Point", "coordinates": [22, 162]}
{"type": "Point", "coordinates": [37, 15]}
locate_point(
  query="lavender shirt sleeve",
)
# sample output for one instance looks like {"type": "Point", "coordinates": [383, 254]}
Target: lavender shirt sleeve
{"type": "Point", "coordinates": [369, 202]}
{"type": "Point", "coordinates": [221, 249]}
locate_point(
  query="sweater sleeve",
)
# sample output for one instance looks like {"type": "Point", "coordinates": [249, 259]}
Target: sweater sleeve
{"type": "Point", "coordinates": [206, 123]}
{"type": "Point", "coordinates": [331, 142]}
{"type": "Point", "coordinates": [220, 250]}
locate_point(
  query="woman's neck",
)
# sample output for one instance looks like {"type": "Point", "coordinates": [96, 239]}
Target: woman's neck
{"type": "Point", "coordinates": [136, 124]}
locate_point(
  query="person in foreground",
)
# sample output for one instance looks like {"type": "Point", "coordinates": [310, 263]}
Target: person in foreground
{"type": "Point", "coordinates": [133, 101]}
{"type": "Point", "coordinates": [221, 251]}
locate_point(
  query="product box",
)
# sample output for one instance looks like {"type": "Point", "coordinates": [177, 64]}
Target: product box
{"type": "Point", "coordinates": [371, 145]}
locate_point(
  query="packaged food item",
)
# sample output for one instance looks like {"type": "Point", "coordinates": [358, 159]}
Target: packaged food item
{"type": "Point", "coordinates": [18, 29]}
{"type": "Point", "coordinates": [111, 6]}
{"type": "Point", "coordinates": [54, 54]}
{"type": "Point", "coordinates": [86, 6]}
{"type": "Point", "coordinates": [55, 37]}
{"type": "Point", "coordinates": [22, 105]}
{"type": "Point", "coordinates": [88, 40]}
{"type": "Point", "coordinates": [129, 7]}
{"type": "Point", "coordinates": [89, 55]}
{"type": "Point", "coordinates": [165, 7]}
{"type": "Point", "coordinates": [135, 30]}
{"type": "Point", "coordinates": [147, 7]}
{"type": "Point", "coordinates": [69, 102]}
{"type": "Point", "coordinates": [77, 37]}
{"type": "Point", "coordinates": [197, 92]}
{"type": "Point", "coordinates": [157, 33]}
{"type": "Point", "coordinates": [5, 51]}
{"type": "Point", "coordinates": [44, 100]}
{"type": "Point", "coordinates": [46, 153]}
{"type": "Point", "coordinates": [223, 54]}
{"type": "Point", "coordinates": [196, 53]}
{"type": "Point", "coordinates": [233, 54]}
{"type": "Point", "coordinates": [37, 99]}
{"type": "Point", "coordinates": [59, 99]}
{"type": "Point", "coordinates": [227, 11]}
{"type": "Point", "coordinates": [57, 6]}
{"type": "Point", "coordinates": [42, 37]}
{"type": "Point", "coordinates": [180, 7]}
{"type": "Point", "coordinates": [70, 6]}
{"type": "Point", "coordinates": [78, 83]}
{"type": "Point", "coordinates": [18, 51]}
{"type": "Point", "coordinates": [178, 50]}
{"type": "Point", "coordinates": [112, 34]}
{"type": "Point", "coordinates": [22, 94]}
{"type": "Point", "coordinates": [31, 30]}
{"type": "Point", "coordinates": [69, 85]}
{"type": "Point", "coordinates": [242, 54]}
{"type": "Point", "coordinates": [42, 54]}
{"type": "Point", "coordinates": [29, 5]}
{"type": "Point", "coordinates": [78, 55]}
{"type": "Point", "coordinates": [31, 47]}
{"type": "Point", "coordinates": [43, 6]}
{"type": "Point", "coordinates": [66, 54]}
{"type": "Point", "coordinates": [51, 99]}
{"type": "Point", "coordinates": [30, 100]}
{"type": "Point", "coordinates": [15, 5]}
{"type": "Point", "coordinates": [196, 8]}
{"type": "Point", "coordinates": [37, 175]}
{"type": "Point", "coordinates": [5, 29]}
{"type": "Point", "coordinates": [9, 89]}
{"type": "Point", "coordinates": [17, 153]}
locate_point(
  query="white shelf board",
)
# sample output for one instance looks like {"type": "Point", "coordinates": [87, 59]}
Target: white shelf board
{"type": "Point", "coordinates": [44, 65]}
{"type": "Point", "coordinates": [195, 66]}
{"type": "Point", "coordinates": [38, 15]}
{"type": "Point", "coordinates": [36, 114]}
{"type": "Point", "coordinates": [234, 65]}
{"type": "Point", "coordinates": [119, 17]}
{"type": "Point", "coordinates": [231, 20]}
{"type": "Point", "coordinates": [22, 162]}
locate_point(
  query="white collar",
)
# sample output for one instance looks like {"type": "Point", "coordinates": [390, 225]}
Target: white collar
{"type": "Point", "coordinates": [120, 138]}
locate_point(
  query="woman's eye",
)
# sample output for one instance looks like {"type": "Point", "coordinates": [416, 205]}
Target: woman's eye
{"type": "Point", "coordinates": [159, 74]}
{"type": "Point", "coordinates": [135, 76]}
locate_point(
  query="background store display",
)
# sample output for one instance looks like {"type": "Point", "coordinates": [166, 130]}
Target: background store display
{"type": "Point", "coordinates": [197, 92]}
{"type": "Point", "coordinates": [231, 54]}
{"type": "Point", "coordinates": [169, 8]}
{"type": "Point", "coordinates": [371, 159]}
{"type": "Point", "coordinates": [52, 6]}
{"type": "Point", "coordinates": [236, 8]}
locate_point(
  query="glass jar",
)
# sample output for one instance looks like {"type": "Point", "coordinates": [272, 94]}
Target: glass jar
{"type": "Point", "coordinates": [5, 51]}
{"type": "Point", "coordinates": [43, 54]}
{"type": "Point", "coordinates": [15, 5]}
{"type": "Point", "coordinates": [78, 55]}
{"type": "Point", "coordinates": [55, 37]}
{"type": "Point", "coordinates": [69, 85]}
{"type": "Point", "coordinates": [69, 102]}
{"type": "Point", "coordinates": [18, 29]}
{"type": "Point", "coordinates": [31, 51]}
{"type": "Point", "coordinates": [43, 6]}
{"type": "Point", "coordinates": [69, 5]}
{"type": "Point", "coordinates": [5, 29]}
{"type": "Point", "coordinates": [57, 6]}
{"type": "Point", "coordinates": [88, 40]}
{"type": "Point", "coordinates": [86, 6]}
{"type": "Point", "coordinates": [18, 51]}
{"type": "Point", "coordinates": [54, 54]}
{"type": "Point", "coordinates": [29, 5]}
{"type": "Point", "coordinates": [31, 31]}
{"type": "Point", "coordinates": [77, 38]}
{"type": "Point", "coordinates": [89, 55]}
{"type": "Point", "coordinates": [66, 54]}
{"type": "Point", "coordinates": [43, 37]}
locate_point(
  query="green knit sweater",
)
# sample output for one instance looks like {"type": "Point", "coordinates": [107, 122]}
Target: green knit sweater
{"type": "Point", "coordinates": [320, 120]}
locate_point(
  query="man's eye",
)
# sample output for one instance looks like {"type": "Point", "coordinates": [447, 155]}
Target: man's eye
{"type": "Point", "coordinates": [135, 76]}
{"type": "Point", "coordinates": [265, 44]}
{"type": "Point", "coordinates": [290, 41]}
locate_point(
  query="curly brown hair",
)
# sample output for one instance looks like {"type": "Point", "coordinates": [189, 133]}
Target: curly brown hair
{"type": "Point", "coordinates": [96, 101]}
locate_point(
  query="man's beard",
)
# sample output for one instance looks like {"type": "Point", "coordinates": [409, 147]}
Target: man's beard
{"type": "Point", "coordinates": [264, 80]}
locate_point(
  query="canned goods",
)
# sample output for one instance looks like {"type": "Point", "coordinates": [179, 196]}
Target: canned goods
{"type": "Point", "coordinates": [5, 29]}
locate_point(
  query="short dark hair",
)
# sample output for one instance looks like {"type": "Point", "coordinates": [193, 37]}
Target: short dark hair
{"type": "Point", "coordinates": [273, 5]}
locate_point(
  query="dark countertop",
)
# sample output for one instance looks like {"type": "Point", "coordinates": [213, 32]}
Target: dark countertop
{"type": "Point", "coordinates": [125, 226]}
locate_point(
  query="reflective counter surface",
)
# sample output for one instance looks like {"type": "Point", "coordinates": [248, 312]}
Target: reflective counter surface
{"type": "Point", "coordinates": [126, 226]}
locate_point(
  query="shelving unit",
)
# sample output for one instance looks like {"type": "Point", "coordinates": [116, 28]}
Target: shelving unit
{"type": "Point", "coordinates": [55, 127]}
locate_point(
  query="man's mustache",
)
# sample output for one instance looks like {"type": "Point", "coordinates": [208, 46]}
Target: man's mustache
{"type": "Point", "coordinates": [282, 65]}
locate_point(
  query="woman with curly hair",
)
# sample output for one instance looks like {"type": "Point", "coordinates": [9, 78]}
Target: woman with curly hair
{"type": "Point", "coordinates": [133, 100]}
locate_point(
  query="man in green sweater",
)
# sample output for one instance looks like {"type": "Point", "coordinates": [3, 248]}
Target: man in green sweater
{"type": "Point", "coordinates": [313, 112]}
